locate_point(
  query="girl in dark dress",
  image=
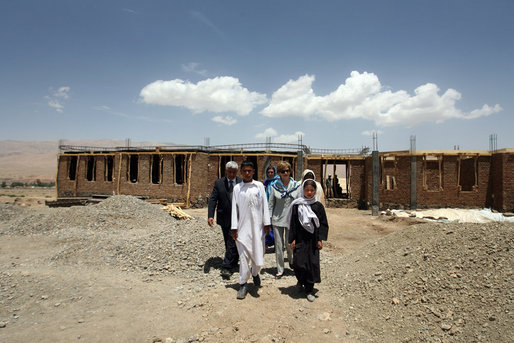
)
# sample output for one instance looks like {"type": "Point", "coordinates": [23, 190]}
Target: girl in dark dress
{"type": "Point", "coordinates": [308, 228]}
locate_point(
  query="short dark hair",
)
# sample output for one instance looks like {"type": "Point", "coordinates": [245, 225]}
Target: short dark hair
{"type": "Point", "coordinates": [310, 182]}
{"type": "Point", "coordinates": [247, 163]}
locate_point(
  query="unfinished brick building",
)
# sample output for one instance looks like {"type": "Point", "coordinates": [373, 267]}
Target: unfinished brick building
{"type": "Point", "coordinates": [186, 174]}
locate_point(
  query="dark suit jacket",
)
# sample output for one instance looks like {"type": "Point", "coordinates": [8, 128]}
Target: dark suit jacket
{"type": "Point", "coordinates": [221, 199]}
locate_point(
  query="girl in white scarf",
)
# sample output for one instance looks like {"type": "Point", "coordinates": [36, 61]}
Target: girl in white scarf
{"type": "Point", "coordinates": [308, 228]}
{"type": "Point", "coordinates": [305, 213]}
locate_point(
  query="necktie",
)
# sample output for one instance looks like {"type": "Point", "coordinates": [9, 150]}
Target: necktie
{"type": "Point", "coordinates": [230, 186]}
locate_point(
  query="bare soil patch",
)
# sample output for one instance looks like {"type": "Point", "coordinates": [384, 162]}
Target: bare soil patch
{"type": "Point", "coordinates": [125, 270]}
{"type": "Point", "coordinates": [27, 196]}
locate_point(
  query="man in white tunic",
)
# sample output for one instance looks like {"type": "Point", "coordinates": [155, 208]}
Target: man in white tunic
{"type": "Point", "coordinates": [250, 224]}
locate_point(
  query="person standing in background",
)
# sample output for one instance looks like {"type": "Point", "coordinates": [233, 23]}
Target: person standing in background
{"type": "Point", "coordinates": [271, 177]}
{"type": "Point", "coordinates": [309, 174]}
{"type": "Point", "coordinates": [328, 184]}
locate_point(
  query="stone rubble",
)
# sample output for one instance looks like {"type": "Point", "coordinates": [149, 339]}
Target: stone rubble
{"type": "Point", "coordinates": [124, 232]}
{"type": "Point", "coordinates": [433, 282]}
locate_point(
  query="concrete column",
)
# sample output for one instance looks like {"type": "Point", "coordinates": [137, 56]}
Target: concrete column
{"type": "Point", "coordinates": [374, 184]}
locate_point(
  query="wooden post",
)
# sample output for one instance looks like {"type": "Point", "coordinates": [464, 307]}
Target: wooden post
{"type": "Point", "coordinates": [459, 188]}
{"type": "Point", "coordinates": [120, 162]}
{"type": "Point", "coordinates": [189, 179]}
{"type": "Point", "coordinates": [440, 172]}
{"type": "Point", "coordinates": [348, 182]}
{"type": "Point", "coordinates": [76, 175]}
{"type": "Point", "coordinates": [57, 179]}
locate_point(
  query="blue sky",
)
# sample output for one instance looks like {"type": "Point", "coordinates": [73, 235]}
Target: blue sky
{"type": "Point", "coordinates": [241, 71]}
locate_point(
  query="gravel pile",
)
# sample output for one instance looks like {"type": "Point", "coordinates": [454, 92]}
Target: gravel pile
{"type": "Point", "coordinates": [124, 232]}
{"type": "Point", "coordinates": [431, 283]}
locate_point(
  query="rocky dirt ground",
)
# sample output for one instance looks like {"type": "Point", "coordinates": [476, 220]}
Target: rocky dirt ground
{"type": "Point", "coordinates": [126, 271]}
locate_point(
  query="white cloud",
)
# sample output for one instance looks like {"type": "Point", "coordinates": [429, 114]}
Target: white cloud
{"type": "Point", "coordinates": [371, 132]}
{"type": "Point", "coordinates": [276, 138]}
{"type": "Point", "coordinates": [269, 132]}
{"type": "Point", "coordinates": [192, 67]}
{"type": "Point", "coordinates": [62, 92]}
{"type": "Point", "coordinates": [226, 120]}
{"type": "Point", "coordinates": [101, 108]}
{"type": "Point", "coordinates": [199, 16]}
{"type": "Point", "coordinates": [362, 96]}
{"type": "Point", "coordinates": [57, 97]}
{"type": "Point", "coordinates": [220, 94]}
{"type": "Point", "coordinates": [110, 111]}
{"type": "Point", "coordinates": [56, 104]}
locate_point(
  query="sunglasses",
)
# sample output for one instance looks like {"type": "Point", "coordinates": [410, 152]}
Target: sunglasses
{"type": "Point", "coordinates": [284, 171]}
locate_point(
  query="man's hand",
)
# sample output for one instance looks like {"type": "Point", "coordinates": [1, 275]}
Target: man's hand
{"type": "Point", "coordinates": [320, 245]}
{"type": "Point", "coordinates": [234, 235]}
{"type": "Point", "coordinates": [267, 229]}
{"type": "Point", "coordinates": [210, 221]}
{"type": "Point", "coordinates": [293, 243]}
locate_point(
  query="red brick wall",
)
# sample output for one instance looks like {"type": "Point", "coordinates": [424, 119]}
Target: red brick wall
{"type": "Point", "coordinates": [166, 189]}
{"type": "Point", "coordinates": [508, 182]}
{"type": "Point", "coordinates": [316, 166]}
{"type": "Point", "coordinates": [502, 180]}
{"type": "Point", "coordinates": [399, 195]}
{"type": "Point", "coordinates": [495, 184]}
{"type": "Point", "coordinates": [358, 171]}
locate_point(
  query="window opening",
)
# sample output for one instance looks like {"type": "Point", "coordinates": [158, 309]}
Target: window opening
{"type": "Point", "coordinates": [387, 172]}
{"type": "Point", "coordinates": [156, 169]}
{"type": "Point", "coordinates": [72, 168]}
{"type": "Point", "coordinates": [467, 174]}
{"type": "Point", "coordinates": [109, 168]}
{"type": "Point", "coordinates": [133, 168]}
{"type": "Point", "coordinates": [338, 170]}
{"type": "Point", "coordinates": [223, 162]}
{"type": "Point", "coordinates": [91, 168]}
{"type": "Point", "coordinates": [180, 169]}
{"type": "Point", "coordinates": [432, 176]}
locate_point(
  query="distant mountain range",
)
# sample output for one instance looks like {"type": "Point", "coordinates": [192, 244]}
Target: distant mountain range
{"type": "Point", "coordinates": [27, 161]}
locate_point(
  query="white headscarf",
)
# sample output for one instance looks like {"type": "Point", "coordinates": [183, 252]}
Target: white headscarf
{"type": "Point", "coordinates": [305, 213]}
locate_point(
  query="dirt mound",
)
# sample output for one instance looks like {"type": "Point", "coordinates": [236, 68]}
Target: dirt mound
{"type": "Point", "coordinates": [122, 231]}
{"type": "Point", "coordinates": [430, 283]}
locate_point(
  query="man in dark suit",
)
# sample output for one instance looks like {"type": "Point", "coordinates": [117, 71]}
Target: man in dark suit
{"type": "Point", "coordinates": [221, 200]}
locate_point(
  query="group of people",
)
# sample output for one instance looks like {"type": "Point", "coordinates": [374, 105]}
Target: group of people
{"type": "Point", "coordinates": [253, 213]}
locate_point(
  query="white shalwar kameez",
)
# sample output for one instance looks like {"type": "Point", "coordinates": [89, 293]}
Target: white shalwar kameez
{"type": "Point", "coordinates": [249, 216]}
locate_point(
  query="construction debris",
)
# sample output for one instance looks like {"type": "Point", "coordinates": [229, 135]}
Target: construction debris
{"type": "Point", "coordinates": [176, 212]}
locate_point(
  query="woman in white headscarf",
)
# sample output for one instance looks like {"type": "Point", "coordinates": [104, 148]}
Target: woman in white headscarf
{"type": "Point", "coordinates": [308, 228]}
{"type": "Point", "coordinates": [309, 174]}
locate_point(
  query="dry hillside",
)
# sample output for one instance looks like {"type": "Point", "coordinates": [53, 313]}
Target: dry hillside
{"type": "Point", "coordinates": [30, 160]}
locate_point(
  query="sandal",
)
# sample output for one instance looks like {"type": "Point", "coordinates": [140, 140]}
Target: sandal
{"type": "Point", "coordinates": [279, 276]}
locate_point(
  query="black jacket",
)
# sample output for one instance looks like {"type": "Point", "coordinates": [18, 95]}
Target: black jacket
{"type": "Point", "coordinates": [221, 200]}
